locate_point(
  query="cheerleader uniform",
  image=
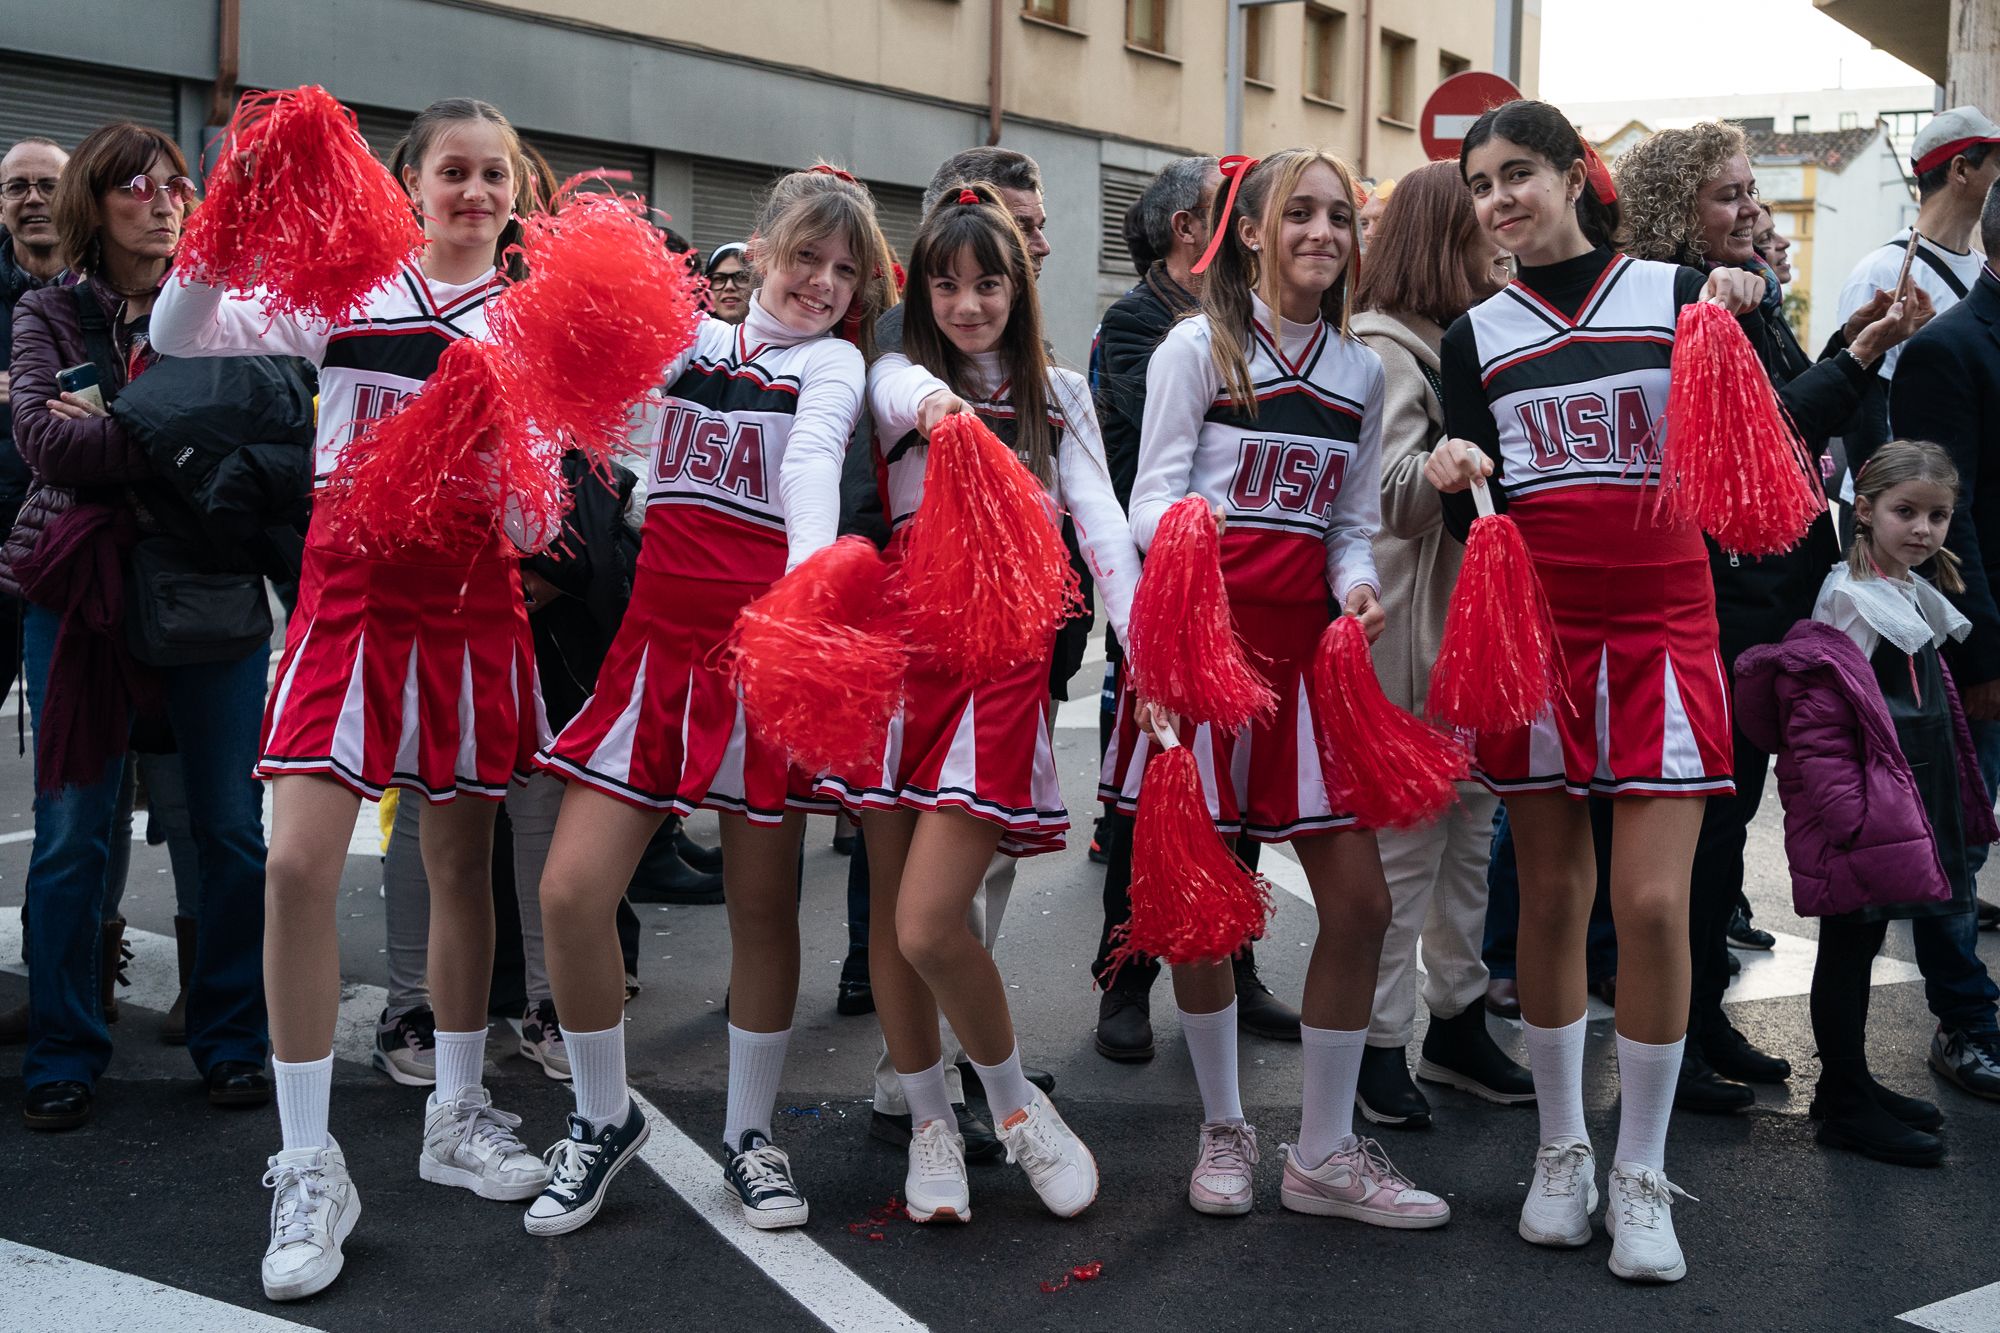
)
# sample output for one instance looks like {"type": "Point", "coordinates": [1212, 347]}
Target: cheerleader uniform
{"type": "Point", "coordinates": [983, 747]}
{"type": "Point", "coordinates": [1561, 378]}
{"type": "Point", "coordinates": [1300, 484]}
{"type": "Point", "coordinates": [744, 483]}
{"type": "Point", "coordinates": [416, 670]}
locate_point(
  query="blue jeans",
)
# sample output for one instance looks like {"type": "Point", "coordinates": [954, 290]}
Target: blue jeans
{"type": "Point", "coordinates": [215, 710]}
{"type": "Point", "coordinates": [1956, 984]}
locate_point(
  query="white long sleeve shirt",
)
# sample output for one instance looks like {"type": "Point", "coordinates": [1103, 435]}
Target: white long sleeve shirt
{"type": "Point", "coordinates": [897, 388]}
{"type": "Point", "coordinates": [1300, 482]}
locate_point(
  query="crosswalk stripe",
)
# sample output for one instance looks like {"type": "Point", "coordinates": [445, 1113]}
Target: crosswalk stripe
{"type": "Point", "coordinates": [1976, 1311]}
{"type": "Point", "coordinates": [40, 1290]}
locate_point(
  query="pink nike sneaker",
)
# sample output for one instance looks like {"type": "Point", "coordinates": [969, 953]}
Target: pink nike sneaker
{"type": "Point", "coordinates": [1220, 1185]}
{"type": "Point", "coordinates": [1359, 1182]}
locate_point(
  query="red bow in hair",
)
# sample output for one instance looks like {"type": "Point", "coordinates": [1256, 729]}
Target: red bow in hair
{"type": "Point", "coordinates": [1233, 168]}
{"type": "Point", "coordinates": [968, 196]}
{"type": "Point", "coordinates": [828, 169]}
{"type": "Point", "coordinates": [1598, 175]}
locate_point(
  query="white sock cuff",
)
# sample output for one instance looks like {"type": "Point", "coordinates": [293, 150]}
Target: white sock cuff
{"type": "Point", "coordinates": [745, 1037]}
{"type": "Point", "coordinates": [571, 1036]}
{"type": "Point", "coordinates": [1332, 1038]}
{"type": "Point", "coordinates": [1578, 1030]}
{"type": "Point", "coordinates": [303, 1068]}
{"type": "Point", "coordinates": [1629, 1049]}
{"type": "Point", "coordinates": [1215, 1022]}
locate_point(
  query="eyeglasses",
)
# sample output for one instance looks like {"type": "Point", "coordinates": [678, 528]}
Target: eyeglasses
{"type": "Point", "coordinates": [143, 188]}
{"type": "Point", "coordinates": [740, 278]}
{"type": "Point", "coordinates": [18, 187]}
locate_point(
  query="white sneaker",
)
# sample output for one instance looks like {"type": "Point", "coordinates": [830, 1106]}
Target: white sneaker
{"type": "Point", "coordinates": [1562, 1195]}
{"type": "Point", "coordinates": [1640, 1220]}
{"type": "Point", "coordinates": [1221, 1184]}
{"type": "Point", "coordinates": [1058, 1165]}
{"type": "Point", "coordinates": [469, 1144]}
{"type": "Point", "coordinates": [935, 1188]}
{"type": "Point", "coordinates": [313, 1210]}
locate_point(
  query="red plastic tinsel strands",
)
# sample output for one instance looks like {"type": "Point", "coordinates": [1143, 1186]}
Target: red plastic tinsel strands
{"type": "Point", "coordinates": [1192, 899]}
{"type": "Point", "coordinates": [983, 570]}
{"type": "Point", "coordinates": [1181, 641]}
{"type": "Point", "coordinates": [1732, 463]}
{"type": "Point", "coordinates": [1391, 769]}
{"type": "Point", "coordinates": [819, 675]}
{"type": "Point", "coordinates": [298, 209]}
{"type": "Point", "coordinates": [1498, 667]}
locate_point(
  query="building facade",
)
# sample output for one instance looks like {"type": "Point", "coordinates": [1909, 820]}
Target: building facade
{"type": "Point", "coordinates": [704, 104]}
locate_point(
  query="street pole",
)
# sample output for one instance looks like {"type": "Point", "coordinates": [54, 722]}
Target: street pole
{"type": "Point", "coordinates": [1232, 111]}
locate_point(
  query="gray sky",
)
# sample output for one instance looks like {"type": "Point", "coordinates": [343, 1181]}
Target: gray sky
{"type": "Point", "coordinates": [1600, 50]}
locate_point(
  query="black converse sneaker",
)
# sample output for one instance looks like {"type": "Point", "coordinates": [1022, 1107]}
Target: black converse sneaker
{"type": "Point", "coordinates": [580, 1170]}
{"type": "Point", "coordinates": [761, 1175]}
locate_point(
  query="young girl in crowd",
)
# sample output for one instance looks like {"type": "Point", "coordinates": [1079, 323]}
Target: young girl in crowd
{"type": "Point", "coordinates": [969, 765]}
{"type": "Point", "coordinates": [401, 671]}
{"type": "Point", "coordinates": [1879, 779]}
{"type": "Point", "coordinates": [744, 484]}
{"type": "Point", "coordinates": [1268, 408]}
{"type": "Point", "coordinates": [1551, 389]}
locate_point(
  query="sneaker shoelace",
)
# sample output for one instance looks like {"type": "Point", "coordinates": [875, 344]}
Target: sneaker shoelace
{"type": "Point", "coordinates": [940, 1152]}
{"type": "Point", "coordinates": [1374, 1164]}
{"type": "Point", "coordinates": [1644, 1193]}
{"type": "Point", "coordinates": [569, 1166]}
{"type": "Point", "coordinates": [477, 1124]}
{"type": "Point", "coordinates": [418, 1029]}
{"type": "Point", "coordinates": [300, 1190]}
{"type": "Point", "coordinates": [1562, 1170]}
{"type": "Point", "coordinates": [1228, 1148]}
{"type": "Point", "coordinates": [767, 1171]}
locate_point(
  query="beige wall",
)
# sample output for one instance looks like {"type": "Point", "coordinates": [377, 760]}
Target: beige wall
{"type": "Point", "coordinates": [1085, 75]}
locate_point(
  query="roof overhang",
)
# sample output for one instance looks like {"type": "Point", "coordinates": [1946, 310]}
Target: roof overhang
{"type": "Point", "coordinates": [1916, 32]}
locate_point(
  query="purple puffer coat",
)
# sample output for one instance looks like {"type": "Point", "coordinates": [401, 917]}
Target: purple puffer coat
{"type": "Point", "coordinates": [1855, 830]}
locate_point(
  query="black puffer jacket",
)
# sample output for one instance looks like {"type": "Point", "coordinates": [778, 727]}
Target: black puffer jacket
{"type": "Point", "coordinates": [1132, 328]}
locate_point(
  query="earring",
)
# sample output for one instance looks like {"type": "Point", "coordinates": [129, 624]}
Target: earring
{"type": "Point", "coordinates": [1253, 249]}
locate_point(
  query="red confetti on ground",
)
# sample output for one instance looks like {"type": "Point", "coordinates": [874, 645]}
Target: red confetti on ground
{"type": "Point", "coordinates": [871, 1226]}
{"type": "Point", "coordinates": [1089, 1272]}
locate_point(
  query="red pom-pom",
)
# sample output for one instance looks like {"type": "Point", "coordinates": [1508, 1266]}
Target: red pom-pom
{"type": "Point", "coordinates": [1192, 900]}
{"type": "Point", "coordinates": [430, 475]}
{"type": "Point", "coordinates": [1392, 770]}
{"type": "Point", "coordinates": [1499, 665]}
{"type": "Point", "coordinates": [983, 566]}
{"type": "Point", "coordinates": [819, 674]}
{"type": "Point", "coordinates": [590, 331]}
{"type": "Point", "coordinates": [299, 209]}
{"type": "Point", "coordinates": [1732, 463]}
{"type": "Point", "coordinates": [1181, 644]}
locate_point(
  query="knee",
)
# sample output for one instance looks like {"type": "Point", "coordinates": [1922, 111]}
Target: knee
{"type": "Point", "coordinates": [1364, 914]}
{"type": "Point", "coordinates": [929, 939]}
{"type": "Point", "coordinates": [1558, 904]}
{"type": "Point", "coordinates": [293, 878]}
{"type": "Point", "coordinates": [1652, 912]}
{"type": "Point", "coordinates": [764, 917]}
{"type": "Point", "coordinates": [565, 907]}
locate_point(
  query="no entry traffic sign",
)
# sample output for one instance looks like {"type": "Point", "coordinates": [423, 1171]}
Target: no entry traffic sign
{"type": "Point", "coordinates": [1458, 101]}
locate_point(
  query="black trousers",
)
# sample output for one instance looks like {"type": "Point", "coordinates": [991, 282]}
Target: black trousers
{"type": "Point", "coordinates": [1139, 974]}
{"type": "Point", "coordinates": [1717, 883]}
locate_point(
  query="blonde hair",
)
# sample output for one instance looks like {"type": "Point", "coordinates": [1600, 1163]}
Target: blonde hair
{"type": "Point", "coordinates": [1659, 189]}
{"type": "Point", "coordinates": [808, 206]}
{"type": "Point", "coordinates": [1887, 468]}
{"type": "Point", "coordinates": [1235, 272]}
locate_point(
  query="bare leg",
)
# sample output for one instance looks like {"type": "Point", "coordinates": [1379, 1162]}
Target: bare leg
{"type": "Point", "coordinates": [1204, 988]}
{"type": "Point", "coordinates": [597, 845]}
{"type": "Point", "coordinates": [457, 841]}
{"type": "Point", "coordinates": [1652, 856]}
{"type": "Point", "coordinates": [312, 819]}
{"type": "Point", "coordinates": [760, 867]}
{"type": "Point", "coordinates": [1351, 900]}
{"type": "Point", "coordinates": [1558, 869]}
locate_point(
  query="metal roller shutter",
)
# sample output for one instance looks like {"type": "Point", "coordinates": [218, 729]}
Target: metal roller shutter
{"type": "Point", "coordinates": [566, 157]}
{"type": "Point", "coordinates": [729, 195]}
{"type": "Point", "coordinates": [1118, 188]}
{"type": "Point", "coordinates": [900, 209]}
{"type": "Point", "coordinates": [67, 102]}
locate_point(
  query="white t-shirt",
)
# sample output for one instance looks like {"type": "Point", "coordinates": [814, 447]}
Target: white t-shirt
{"type": "Point", "coordinates": [1879, 269]}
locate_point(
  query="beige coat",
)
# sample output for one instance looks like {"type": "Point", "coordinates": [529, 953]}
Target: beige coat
{"type": "Point", "coordinates": [1417, 559]}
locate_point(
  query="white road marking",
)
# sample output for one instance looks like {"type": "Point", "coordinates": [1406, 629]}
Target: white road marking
{"type": "Point", "coordinates": [1976, 1311]}
{"type": "Point", "coordinates": [1787, 970]}
{"type": "Point", "coordinates": [40, 1290]}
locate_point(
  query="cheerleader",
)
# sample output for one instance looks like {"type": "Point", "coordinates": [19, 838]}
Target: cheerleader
{"type": "Point", "coordinates": [413, 671]}
{"type": "Point", "coordinates": [1266, 406]}
{"type": "Point", "coordinates": [744, 483]}
{"type": "Point", "coordinates": [969, 768]}
{"type": "Point", "coordinates": [1552, 387]}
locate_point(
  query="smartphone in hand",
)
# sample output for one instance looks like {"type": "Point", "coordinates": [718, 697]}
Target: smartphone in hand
{"type": "Point", "coordinates": [82, 381]}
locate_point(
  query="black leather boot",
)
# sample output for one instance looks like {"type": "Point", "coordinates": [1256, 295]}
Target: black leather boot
{"type": "Point", "coordinates": [1125, 1025]}
{"type": "Point", "coordinates": [1460, 1053]}
{"type": "Point", "coordinates": [1385, 1093]}
{"type": "Point", "coordinates": [1259, 1012]}
{"type": "Point", "coordinates": [56, 1106]}
{"type": "Point", "coordinates": [1731, 1055]}
{"type": "Point", "coordinates": [1705, 1092]}
{"type": "Point", "coordinates": [1852, 1119]}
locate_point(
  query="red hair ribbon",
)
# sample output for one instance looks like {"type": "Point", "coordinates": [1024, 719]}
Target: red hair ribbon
{"type": "Point", "coordinates": [1598, 175]}
{"type": "Point", "coordinates": [968, 196]}
{"type": "Point", "coordinates": [828, 169]}
{"type": "Point", "coordinates": [1233, 168]}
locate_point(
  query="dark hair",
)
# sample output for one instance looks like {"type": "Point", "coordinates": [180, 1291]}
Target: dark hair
{"type": "Point", "coordinates": [1137, 243]}
{"type": "Point", "coordinates": [987, 231]}
{"type": "Point", "coordinates": [1930, 182]}
{"type": "Point", "coordinates": [736, 250]}
{"type": "Point", "coordinates": [108, 157]}
{"type": "Point", "coordinates": [805, 206]}
{"type": "Point", "coordinates": [534, 180]}
{"type": "Point", "coordinates": [1546, 132]}
{"type": "Point", "coordinates": [1001, 167]}
{"type": "Point", "coordinates": [1177, 189]}
{"type": "Point", "coordinates": [1417, 266]}
{"type": "Point", "coordinates": [1235, 273]}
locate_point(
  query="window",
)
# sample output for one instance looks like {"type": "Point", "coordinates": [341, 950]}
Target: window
{"type": "Point", "coordinates": [1049, 11]}
{"type": "Point", "coordinates": [1326, 53]}
{"type": "Point", "coordinates": [1399, 78]}
{"type": "Point", "coordinates": [1256, 67]}
{"type": "Point", "coordinates": [1449, 65]}
{"type": "Point", "coordinates": [1801, 124]}
{"type": "Point", "coordinates": [1146, 24]}
{"type": "Point", "coordinates": [1850, 120]}
{"type": "Point", "coordinates": [1904, 125]}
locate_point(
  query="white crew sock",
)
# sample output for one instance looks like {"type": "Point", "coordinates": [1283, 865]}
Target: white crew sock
{"type": "Point", "coordinates": [1211, 1044]}
{"type": "Point", "coordinates": [928, 1097]}
{"type": "Point", "coordinates": [597, 1073]}
{"type": "Point", "coordinates": [461, 1062]}
{"type": "Point", "coordinates": [756, 1066]}
{"type": "Point", "coordinates": [1555, 1059]}
{"type": "Point", "coordinates": [1332, 1060]}
{"type": "Point", "coordinates": [1007, 1088]}
{"type": "Point", "coordinates": [304, 1089]}
{"type": "Point", "coordinates": [1647, 1076]}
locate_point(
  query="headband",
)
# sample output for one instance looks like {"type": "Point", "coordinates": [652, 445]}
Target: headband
{"type": "Point", "coordinates": [1233, 168]}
